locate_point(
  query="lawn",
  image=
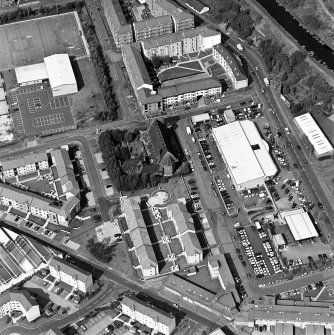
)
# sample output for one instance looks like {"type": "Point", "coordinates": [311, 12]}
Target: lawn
{"type": "Point", "coordinates": [39, 186]}
{"type": "Point", "coordinates": [195, 65]}
{"type": "Point", "coordinates": [175, 73]}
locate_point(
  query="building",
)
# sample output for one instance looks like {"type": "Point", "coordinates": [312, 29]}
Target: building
{"type": "Point", "coordinates": [153, 27]}
{"type": "Point", "coordinates": [70, 274]}
{"type": "Point", "coordinates": [229, 115]}
{"type": "Point", "coordinates": [24, 165]}
{"type": "Point", "coordinates": [197, 6]}
{"type": "Point", "coordinates": [307, 125]}
{"type": "Point", "coordinates": [61, 75]}
{"type": "Point", "coordinates": [189, 93]}
{"type": "Point", "coordinates": [159, 147]}
{"type": "Point", "coordinates": [300, 224]}
{"type": "Point", "coordinates": [51, 210]}
{"type": "Point", "coordinates": [181, 20]}
{"type": "Point", "coordinates": [57, 69]}
{"type": "Point", "coordinates": [142, 246]}
{"type": "Point", "coordinates": [181, 42]}
{"type": "Point", "coordinates": [120, 30]}
{"type": "Point", "coordinates": [153, 317]}
{"type": "Point", "coordinates": [230, 65]}
{"type": "Point", "coordinates": [19, 301]}
{"type": "Point", "coordinates": [279, 241]}
{"type": "Point", "coordinates": [284, 329]}
{"type": "Point", "coordinates": [245, 154]}
{"type": "Point", "coordinates": [149, 101]}
{"type": "Point", "coordinates": [270, 312]}
{"type": "Point", "coordinates": [184, 225]}
{"type": "Point", "coordinates": [219, 269]}
{"type": "Point", "coordinates": [199, 296]}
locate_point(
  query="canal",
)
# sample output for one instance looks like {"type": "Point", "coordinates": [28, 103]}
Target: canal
{"type": "Point", "coordinates": [321, 51]}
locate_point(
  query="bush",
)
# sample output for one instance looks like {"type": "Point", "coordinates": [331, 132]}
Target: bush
{"type": "Point", "coordinates": [101, 251]}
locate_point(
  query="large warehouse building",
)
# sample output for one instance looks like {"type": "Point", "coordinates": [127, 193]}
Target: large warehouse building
{"type": "Point", "coordinates": [314, 134]}
{"type": "Point", "coordinates": [245, 154]}
{"type": "Point", "coordinates": [57, 69]}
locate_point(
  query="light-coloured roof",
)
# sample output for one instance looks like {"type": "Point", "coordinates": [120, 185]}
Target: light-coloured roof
{"type": "Point", "coordinates": [23, 296]}
{"type": "Point", "coordinates": [224, 271]}
{"type": "Point", "coordinates": [2, 94]}
{"type": "Point", "coordinates": [314, 134]}
{"type": "Point", "coordinates": [70, 269]}
{"type": "Point", "coordinates": [169, 8]}
{"type": "Point", "coordinates": [59, 70]}
{"type": "Point", "coordinates": [244, 150]}
{"type": "Point", "coordinates": [153, 22]}
{"type": "Point", "coordinates": [315, 330]}
{"type": "Point", "coordinates": [149, 310]}
{"type": "Point", "coordinates": [279, 239]}
{"type": "Point", "coordinates": [4, 109]}
{"type": "Point", "coordinates": [301, 226]}
{"type": "Point", "coordinates": [284, 329]}
{"type": "Point", "coordinates": [200, 118]}
{"type": "Point", "coordinates": [31, 73]}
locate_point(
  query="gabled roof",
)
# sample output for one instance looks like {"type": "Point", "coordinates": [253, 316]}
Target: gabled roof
{"type": "Point", "coordinates": [23, 296]}
{"type": "Point", "coordinates": [70, 269]}
{"type": "Point", "coordinates": [153, 22]}
{"type": "Point", "coordinates": [152, 311]}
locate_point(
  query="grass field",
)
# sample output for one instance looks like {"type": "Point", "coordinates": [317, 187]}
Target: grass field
{"type": "Point", "coordinates": [28, 42]}
{"type": "Point", "coordinates": [175, 73]}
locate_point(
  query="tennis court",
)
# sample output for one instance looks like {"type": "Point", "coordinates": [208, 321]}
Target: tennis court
{"type": "Point", "coordinates": [28, 42]}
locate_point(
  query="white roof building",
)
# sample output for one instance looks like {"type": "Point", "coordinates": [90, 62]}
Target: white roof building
{"type": "Point", "coordinates": [309, 127]}
{"type": "Point", "coordinates": [301, 226]}
{"type": "Point", "coordinates": [245, 153]}
{"type": "Point", "coordinates": [31, 74]}
{"type": "Point", "coordinates": [61, 76]}
{"type": "Point", "coordinates": [200, 118]}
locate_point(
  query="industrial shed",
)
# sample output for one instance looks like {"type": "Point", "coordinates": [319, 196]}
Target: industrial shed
{"type": "Point", "coordinates": [301, 226]}
{"type": "Point", "coordinates": [312, 131]}
{"type": "Point", "coordinates": [245, 153]}
{"type": "Point", "coordinates": [31, 74]}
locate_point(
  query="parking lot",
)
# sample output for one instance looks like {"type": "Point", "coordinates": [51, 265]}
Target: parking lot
{"type": "Point", "coordinates": [36, 112]}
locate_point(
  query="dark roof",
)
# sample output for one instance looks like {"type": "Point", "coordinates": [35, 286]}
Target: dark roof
{"type": "Point", "coordinates": [159, 141]}
{"type": "Point", "coordinates": [23, 296]}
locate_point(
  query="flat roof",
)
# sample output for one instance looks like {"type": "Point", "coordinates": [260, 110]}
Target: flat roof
{"type": "Point", "coordinates": [200, 118]}
{"type": "Point", "coordinates": [301, 226]}
{"type": "Point", "coordinates": [33, 72]}
{"type": "Point", "coordinates": [245, 152]}
{"type": "Point", "coordinates": [314, 134]}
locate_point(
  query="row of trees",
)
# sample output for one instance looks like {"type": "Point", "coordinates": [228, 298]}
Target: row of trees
{"type": "Point", "coordinates": [22, 14]}
{"type": "Point", "coordinates": [302, 88]}
{"type": "Point", "coordinates": [113, 144]}
{"type": "Point", "coordinates": [230, 12]}
{"type": "Point", "coordinates": [103, 76]}
{"type": "Point", "coordinates": [101, 251]}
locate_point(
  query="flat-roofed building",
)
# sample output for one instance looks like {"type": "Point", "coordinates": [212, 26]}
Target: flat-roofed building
{"type": "Point", "coordinates": [151, 316]}
{"type": "Point", "coordinates": [307, 125]}
{"type": "Point", "coordinates": [182, 42]}
{"type": "Point", "coordinates": [70, 274]}
{"type": "Point", "coordinates": [230, 65]}
{"type": "Point", "coordinates": [245, 153]}
{"type": "Point", "coordinates": [153, 27]}
{"type": "Point", "coordinates": [120, 29]}
{"type": "Point", "coordinates": [315, 330]}
{"type": "Point", "coordinates": [24, 165]}
{"type": "Point", "coordinates": [181, 19]}
{"type": "Point", "coordinates": [31, 74]}
{"type": "Point", "coordinates": [19, 301]}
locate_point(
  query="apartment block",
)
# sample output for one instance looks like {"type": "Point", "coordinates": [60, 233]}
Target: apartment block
{"type": "Point", "coordinates": [154, 27]}
{"type": "Point", "coordinates": [120, 29]}
{"type": "Point", "coordinates": [24, 165]}
{"type": "Point", "coordinates": [230, 65]}
{"type": "Point", "coordinates": [181, 19]}
{"type": "Point", "coordinates": [70, 274]}
{"type": "Point", "coordinates": [181, 42]}
{"type": "Point", "coordinates": [19, 301]}
{"type": "Point", "coordinates": [151, 316]}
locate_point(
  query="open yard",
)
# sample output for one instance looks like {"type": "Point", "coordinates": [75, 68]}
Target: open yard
{"type": "Point", "coordinates": [28, 42]}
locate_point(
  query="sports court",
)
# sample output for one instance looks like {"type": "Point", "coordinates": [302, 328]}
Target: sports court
{"type": "Point", "coordinates": [39, 113]}
{"type": "Point", "coordinates": [28, 42]}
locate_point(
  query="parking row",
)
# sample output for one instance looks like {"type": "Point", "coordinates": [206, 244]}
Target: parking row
{"type": "Point", "coordinates": [272, 257]}
{"type": "Point", "coordinates": [256, 260]}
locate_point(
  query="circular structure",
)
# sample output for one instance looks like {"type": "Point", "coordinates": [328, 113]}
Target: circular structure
{"type": "Point", "coordinates": [159, 197]}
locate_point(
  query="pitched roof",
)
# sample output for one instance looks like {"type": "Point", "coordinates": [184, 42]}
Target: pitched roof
{"type": "Point", "coordinates": [70, 269]}
{"type": "Point", "coordinates": [23, 296]}
{"type": "Point", "coordinates": [113, 8]}
{"type": "Point", "coordinates": [154, 312]}
{"type": "Point", "coordinates": [153, 22]}
{"type": "Point", "coordinates": [172, 9]}
{"type": "Point", "coordinates": [23, 161]}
